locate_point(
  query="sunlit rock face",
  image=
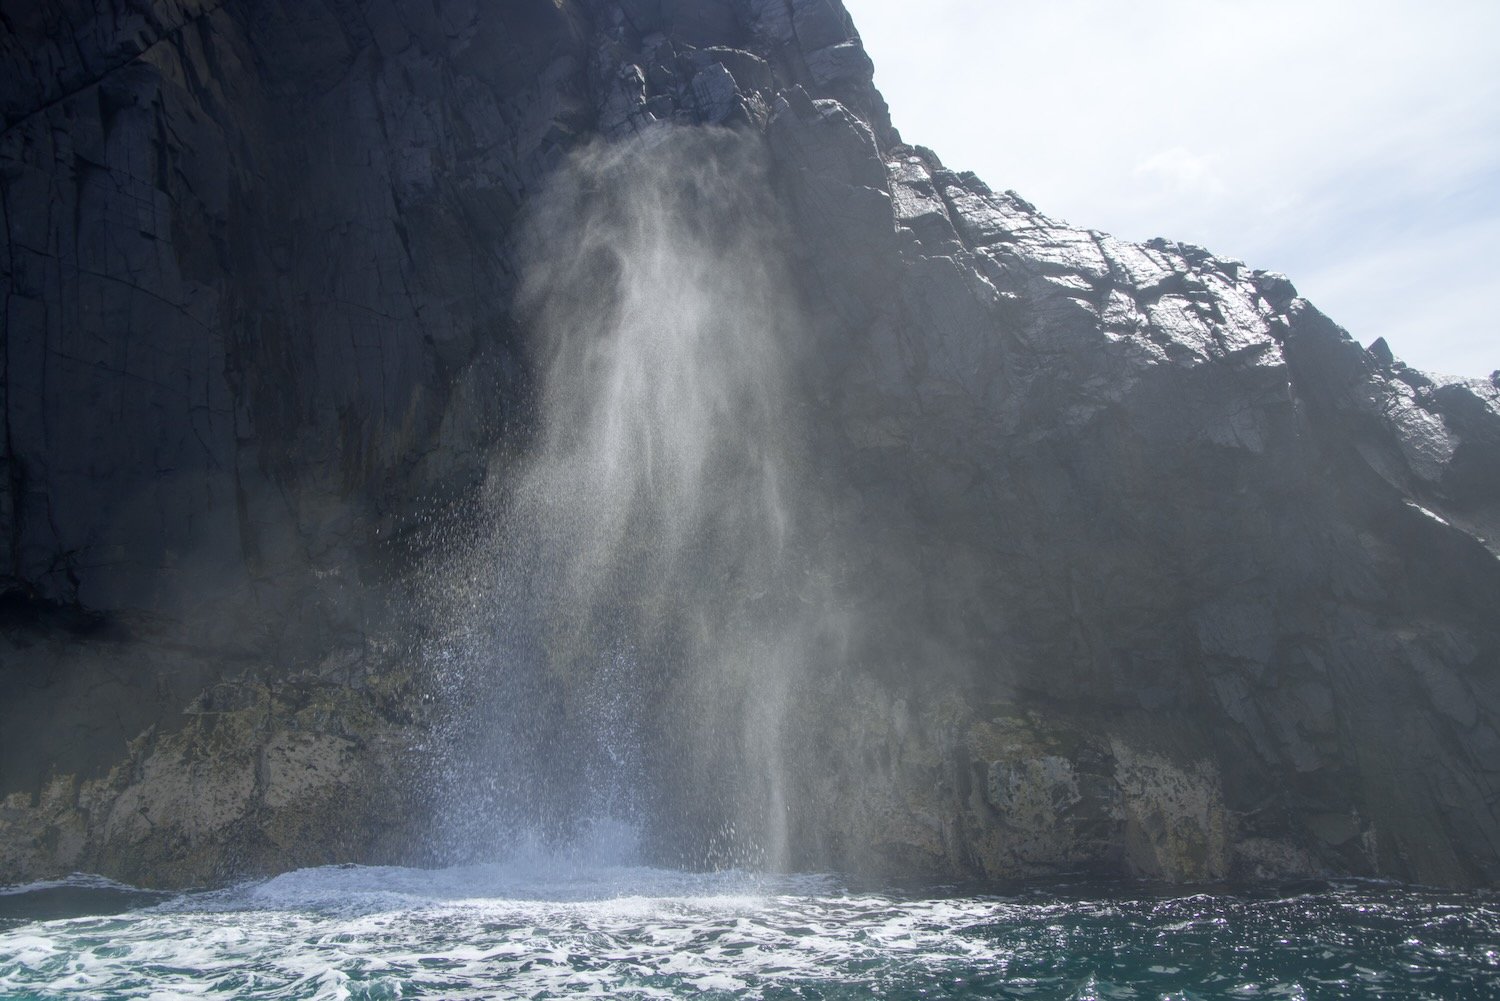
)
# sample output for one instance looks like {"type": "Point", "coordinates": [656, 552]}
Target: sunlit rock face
{"type": "Point", "coordinates": [1140, 564]}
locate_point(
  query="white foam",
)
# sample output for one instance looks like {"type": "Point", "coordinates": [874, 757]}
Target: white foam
{"type": "Point", "coordinates": [487, 931]}
{"type": "Point", "coordinates": [571, 931]}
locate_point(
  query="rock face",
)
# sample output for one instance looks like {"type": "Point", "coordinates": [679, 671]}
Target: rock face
{"type": "Point", "coordinates": [1162, 573]}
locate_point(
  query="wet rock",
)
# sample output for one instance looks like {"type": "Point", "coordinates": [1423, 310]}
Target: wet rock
{"type": "Point", "coordinates": [255, 780]}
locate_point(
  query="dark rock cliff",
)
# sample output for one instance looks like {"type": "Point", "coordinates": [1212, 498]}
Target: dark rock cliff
{"type": "Point", "coordinates": [1203, 588]}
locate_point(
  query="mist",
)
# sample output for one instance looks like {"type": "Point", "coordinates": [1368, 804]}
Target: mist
{"type": "Point", "coordinates": [646, 590]}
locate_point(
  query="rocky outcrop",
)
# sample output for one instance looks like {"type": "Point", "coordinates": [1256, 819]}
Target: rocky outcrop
{"type": "Point", "coordinates": [1155, 490]}
{"type": "Point", "coordinates": [1157, 572]}
{"type": "Point", "coordinates": [251, 778]}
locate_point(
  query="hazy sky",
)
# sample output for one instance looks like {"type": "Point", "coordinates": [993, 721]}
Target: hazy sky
{"type": "Point", "coordinates": [1353, 144]}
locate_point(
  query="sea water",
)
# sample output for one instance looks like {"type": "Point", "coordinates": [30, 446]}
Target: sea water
{"type": "Point", "coordinates": [567, 929]}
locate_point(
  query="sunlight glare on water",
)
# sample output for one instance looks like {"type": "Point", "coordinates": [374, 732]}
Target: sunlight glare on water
{"type": "Point", "coordinates": [567, 930]}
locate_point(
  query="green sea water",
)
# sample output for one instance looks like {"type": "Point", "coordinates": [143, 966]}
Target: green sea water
{"type": "Point", "coordinates": [540, 930]}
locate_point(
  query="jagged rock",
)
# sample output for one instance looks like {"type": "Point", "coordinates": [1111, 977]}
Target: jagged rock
{"type": "Point", "coordinates": [1158, 571]}
{"type": "Point", "coordinates": [715, 93]}
{"type": "Point", "coordinates": [250, 778]}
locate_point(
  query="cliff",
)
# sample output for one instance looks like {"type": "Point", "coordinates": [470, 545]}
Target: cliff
{"type": "Point", "coordinates": [1158, 572]}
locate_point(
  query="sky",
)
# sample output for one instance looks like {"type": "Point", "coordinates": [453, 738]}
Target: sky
{"type": "Point", "coordinates": [1354, 146]}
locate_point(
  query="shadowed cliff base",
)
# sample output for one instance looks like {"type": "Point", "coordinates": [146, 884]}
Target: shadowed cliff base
{"type": "Point", "coordinates": [1098, 556]}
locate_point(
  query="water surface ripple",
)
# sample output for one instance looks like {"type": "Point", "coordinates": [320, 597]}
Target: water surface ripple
{"type": "Point", "coordinates": [558, 932]}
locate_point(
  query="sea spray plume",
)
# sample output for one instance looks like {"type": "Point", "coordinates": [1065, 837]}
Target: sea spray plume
{"type": "Point", "coordinates": [622, 642]}
{"type": "Point", "coordinates": [656, 296]}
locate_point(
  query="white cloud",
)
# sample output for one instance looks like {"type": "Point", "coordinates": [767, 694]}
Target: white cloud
{"type": "Point", "coordinates": [1180, 170]}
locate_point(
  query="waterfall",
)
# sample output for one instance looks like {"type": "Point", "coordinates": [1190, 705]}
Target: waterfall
{"type": "Point", "coordinates": [624, 637]}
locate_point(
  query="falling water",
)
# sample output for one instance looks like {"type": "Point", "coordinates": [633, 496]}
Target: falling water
{"type": "Point", "coordinates": [622, 645]}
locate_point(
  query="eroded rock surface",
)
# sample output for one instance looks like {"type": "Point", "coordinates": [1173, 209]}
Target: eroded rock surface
{"type": "Point", "coordinates": [1159, 572]}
